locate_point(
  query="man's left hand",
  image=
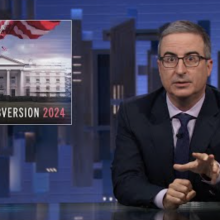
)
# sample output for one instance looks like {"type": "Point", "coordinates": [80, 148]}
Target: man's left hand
{"type": "Point", "coordinates": [204, 164]}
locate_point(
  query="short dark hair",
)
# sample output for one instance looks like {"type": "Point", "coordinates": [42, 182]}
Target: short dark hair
{"type": "Point", "coordinates": [187, 27]}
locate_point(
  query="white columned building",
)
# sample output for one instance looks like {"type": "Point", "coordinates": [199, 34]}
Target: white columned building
{"type": "Point", "coordinates": [22, 79]}
{"type": "Point", "coordinates": [10, 76]}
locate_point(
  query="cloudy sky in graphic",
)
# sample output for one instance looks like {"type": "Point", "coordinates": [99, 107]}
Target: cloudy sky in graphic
{"type": "Point", "coordinates": [52, 48]}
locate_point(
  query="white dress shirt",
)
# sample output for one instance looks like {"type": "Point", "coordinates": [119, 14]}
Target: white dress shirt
{"type": "Point", "coordinates": [194, 111]}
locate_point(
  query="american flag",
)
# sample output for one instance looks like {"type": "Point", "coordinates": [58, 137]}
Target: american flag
{"type": "Point", "coordinates": [26, 29]}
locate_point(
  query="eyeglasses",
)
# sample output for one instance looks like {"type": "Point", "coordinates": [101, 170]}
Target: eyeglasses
{"type": "Point", "coordinates": [172, 61]}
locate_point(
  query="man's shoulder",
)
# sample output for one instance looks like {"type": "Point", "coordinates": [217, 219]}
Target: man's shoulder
{"type": "Point", "coordinates": [214, 91]}
{"type": "Point", "coordinates": [144, 101]}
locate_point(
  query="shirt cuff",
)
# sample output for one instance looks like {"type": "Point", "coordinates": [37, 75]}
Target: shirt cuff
{"type": "Point", "coordinates": [158, 199]}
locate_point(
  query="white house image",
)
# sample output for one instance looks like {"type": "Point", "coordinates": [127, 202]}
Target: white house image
{"type": "Point", "coordinates": [22, 79]}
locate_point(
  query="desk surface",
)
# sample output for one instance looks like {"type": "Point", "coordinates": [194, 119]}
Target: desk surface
{"type": "Point", "coordinates": [106, 211]}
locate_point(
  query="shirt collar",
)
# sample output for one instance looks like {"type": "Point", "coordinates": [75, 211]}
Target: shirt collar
{"type": "Point", "coordinates": [194, 111]}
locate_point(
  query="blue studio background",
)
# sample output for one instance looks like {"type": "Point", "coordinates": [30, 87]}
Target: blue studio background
{"type": "Point", "coordinates": [72, 163]}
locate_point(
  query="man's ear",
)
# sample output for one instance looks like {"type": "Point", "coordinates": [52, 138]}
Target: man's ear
{"type": "Point", "coordinates": [209, 67]}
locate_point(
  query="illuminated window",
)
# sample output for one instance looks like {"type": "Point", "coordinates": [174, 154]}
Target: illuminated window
{"type": "Point", "coordinates": [77, 72]}
{"type": "Point", "coordinates": [115, 109]}
{"type": "Point", "coordinates": [77, 80]}
{"type": "Point", "coordinates": [118, 91]}
{"type": "Point", "coordinates": [114, 92]}
{"type": "Point", "coordinates": [76, 57]}
{"type": "Point", "coordinates": [122, 91]}
{"type": "Point", "coordinates": [77, 64]}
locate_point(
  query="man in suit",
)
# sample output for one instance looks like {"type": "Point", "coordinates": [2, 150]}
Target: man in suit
{"type": "Point", "coordinates": [168, 142]}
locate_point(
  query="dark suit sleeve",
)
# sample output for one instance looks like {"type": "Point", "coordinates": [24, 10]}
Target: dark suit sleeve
{"type": "Point", "coordinates": [130, 182]}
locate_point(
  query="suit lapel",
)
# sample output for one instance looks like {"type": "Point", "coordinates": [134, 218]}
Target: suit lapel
{"type": "Point", "coordinates": [205, 124]}
{"type": "Point", "coordinates": [163, 137]}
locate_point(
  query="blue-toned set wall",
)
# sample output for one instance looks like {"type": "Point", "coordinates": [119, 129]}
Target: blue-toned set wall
{"type": "Point", "coordinates": [99, 15]}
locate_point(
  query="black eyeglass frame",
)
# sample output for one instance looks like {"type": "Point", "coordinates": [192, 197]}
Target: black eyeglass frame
{"type": "Point", "coordinates": [182, 58]}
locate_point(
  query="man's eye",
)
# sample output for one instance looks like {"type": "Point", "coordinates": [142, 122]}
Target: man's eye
{"type": "Point", "coordinates": [191, 58]}
{"type": "Point", "coordinates": [170, 59]}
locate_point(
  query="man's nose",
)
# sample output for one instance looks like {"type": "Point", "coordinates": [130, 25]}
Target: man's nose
{"type": "Point", "coordinates": [180, 68]}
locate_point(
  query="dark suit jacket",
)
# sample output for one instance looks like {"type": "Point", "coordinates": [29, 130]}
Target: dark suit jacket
{"type": "Point", "coordinates": [143, 161]}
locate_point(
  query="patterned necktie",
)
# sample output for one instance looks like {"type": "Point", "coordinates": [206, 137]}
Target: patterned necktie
{"type": "Point", "coordinates": [181, 155]}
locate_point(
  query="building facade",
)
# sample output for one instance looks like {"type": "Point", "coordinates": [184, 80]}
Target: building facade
{"type": "Point", "coordinates": [21, 79]}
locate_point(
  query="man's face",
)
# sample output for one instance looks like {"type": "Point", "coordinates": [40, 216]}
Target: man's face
{"type": "Point", "coordinates": [181, 81]}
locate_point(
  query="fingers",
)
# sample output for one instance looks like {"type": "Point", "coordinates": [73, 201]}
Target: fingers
{"type": "Point", "coordinates": [214, 173]}
{"type": "Point", "coordinates": [204, 164]}
{"type": "Point", "coordinates": [181, 185]}
{"type": "Point", "coordinates": [190, 195]}
{"type": "Point", "coordinates": [178, 193]}
{"type": "Point", "coordinates": [185, 167]}
{"type": "Point", "coordinates": [207, 165]}
{"type": "Point", "coordinates": [204, 157]}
